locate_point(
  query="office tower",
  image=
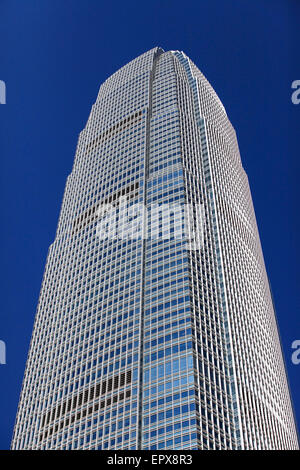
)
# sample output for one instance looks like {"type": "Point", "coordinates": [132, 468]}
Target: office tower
{"type": "Point", "coordinates": [145, 339]}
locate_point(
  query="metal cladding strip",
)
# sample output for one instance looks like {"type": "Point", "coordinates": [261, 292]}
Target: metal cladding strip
{"type": "Point", "coordinates": [145, 223]}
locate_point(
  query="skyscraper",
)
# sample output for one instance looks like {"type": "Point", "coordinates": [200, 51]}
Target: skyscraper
{"type": "Point", "coordinates": [146, 338]}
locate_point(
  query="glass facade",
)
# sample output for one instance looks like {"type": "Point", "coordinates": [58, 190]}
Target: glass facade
{"type": "Point", "coordinates": [140, 341]}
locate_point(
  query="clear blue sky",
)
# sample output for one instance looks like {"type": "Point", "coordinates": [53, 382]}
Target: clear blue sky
{"type": "Point", "coordinates": [54, 55]}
